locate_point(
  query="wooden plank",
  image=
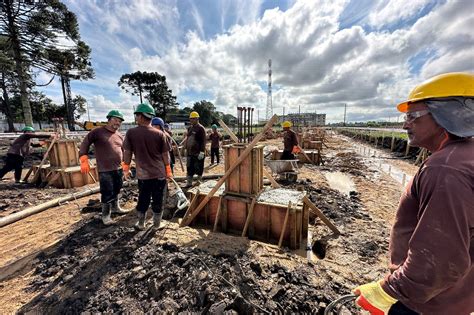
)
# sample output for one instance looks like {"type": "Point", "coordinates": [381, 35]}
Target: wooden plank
{"type": "Point", "coordinates": [249, 216]}
{"type": "Point", "coordinates": [292, 220]}
{"type": "Point", "coordinates": [191, 205]}
{"type": "Point", "coordinates": [269, 222]}
{"type": "Point", "coordinates": [249, 148]}
{"type": "Point", "coordinates": [284, 224]}
{"type": "Point", "coordinates": [225, 216]}
{"type": "Point", "coordinates": [217, 214]}
{"type": "Point", "coordinates": [305, 155]}
{"type": "Point", "coordinates": [45, 156]}
{"type": "Point", "coordinates": [320, 215]}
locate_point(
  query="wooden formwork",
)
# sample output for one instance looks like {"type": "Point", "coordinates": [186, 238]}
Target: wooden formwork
{"type": "Point", "coordinates": [314, 155]}
{"type": "Point", "coordinates": [67, 177]}
{"type": "Point", "coordinates": [265, 224]}
{"type": "Point", "coordinates": [64, 153]}
{"type": "Point", "coordinates": [247, 178]}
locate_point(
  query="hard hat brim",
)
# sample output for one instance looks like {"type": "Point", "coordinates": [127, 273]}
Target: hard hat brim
{"type": "Point", "coordinates": [403, 107]}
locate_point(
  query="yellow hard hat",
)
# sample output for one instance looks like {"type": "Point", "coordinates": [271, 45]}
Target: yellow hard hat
{"type": "Point", "coordinates": [286, 124]}
{"type": "Point", "coordinates": [194, 115]}
{"type": "Point", "coordinates": [443, 85]}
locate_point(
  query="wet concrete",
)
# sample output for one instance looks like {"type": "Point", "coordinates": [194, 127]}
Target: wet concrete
{"type": "Point", "coordinates": [281, 196]}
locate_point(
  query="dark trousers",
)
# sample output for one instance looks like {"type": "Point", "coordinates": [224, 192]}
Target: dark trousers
{"type": "Point", "coordinates": [194, 166]}
{"type": "Point", "coordinates": [214, 152]}
{"type": "Point", "coordinates": [151, 190]}
{"type": "Point", "coordinates": [110, 184]}
{"type": "Point", "coordinates": [172, 160]}
{"type": "Point", "coordinates": [400, 309]}
{"type": "Point", "coordinates": [287, 155]}
{"type": "Point", "coordinates": [13, 162]}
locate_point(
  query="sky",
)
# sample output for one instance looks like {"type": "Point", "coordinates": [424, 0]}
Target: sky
{"type": "Point", "coordinates": [326, 54]}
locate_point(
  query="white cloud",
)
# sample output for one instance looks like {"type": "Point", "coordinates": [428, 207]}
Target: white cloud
{"type": "Point", "coordinates": [391, 11]}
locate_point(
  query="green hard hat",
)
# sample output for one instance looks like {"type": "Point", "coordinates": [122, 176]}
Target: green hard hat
{"type": "Point", "coordinates": [28, 128]}
{"type": "Point", "coordinates": [115, 113]}
{"type": "Point", "coordinates": [214, 126]}
{"type": "Point", "coordinates": [146, 110]}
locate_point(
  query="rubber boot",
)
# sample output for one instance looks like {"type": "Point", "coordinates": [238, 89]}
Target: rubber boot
{"type": "Point", "coordinates": [189, 181]}
{"type": "Point", "coordinates": [106, 219]}
{"type": "Point", "coordinates": [157, 220]}
{"type": "Point", "coordinates": [199, 180]}
{"type": "Point", "coordinates": [116, 207]}
{"type": "Point", "coordinates": [140, 221]}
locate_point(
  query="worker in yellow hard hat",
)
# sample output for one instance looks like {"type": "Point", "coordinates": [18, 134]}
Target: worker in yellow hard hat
{"type": "Point", "coordinates": [431, 242]}
{"type": "Point", "coordinates": [290, 142]}
{"type": "Point", "coordinates": [195, 148]}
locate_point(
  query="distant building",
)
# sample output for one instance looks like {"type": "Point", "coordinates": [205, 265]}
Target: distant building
{"type": "Point", "coordinates": [305, 119]}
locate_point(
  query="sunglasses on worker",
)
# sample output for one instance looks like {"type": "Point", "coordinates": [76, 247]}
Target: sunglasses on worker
{"type": "Point", "coordinates": [412, 116]}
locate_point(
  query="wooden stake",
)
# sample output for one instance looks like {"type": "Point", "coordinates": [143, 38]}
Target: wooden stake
{"type": "Point", "coordinates": [217, 214]}
{"type": "Point", "coordinates": [242, 157]}
{"type": "Point", "coordinates": [179, 152]}
{"type": "Point", "coordinates": [236, 140]}
{"type": "Point", "coordinates": [284, 224]}
{"type": "Point", "coordinates": [320, 215]}
{"type": "Point", "coordinates": [45, 156]}
{"type": "Point", "coordinates": [249, 216]}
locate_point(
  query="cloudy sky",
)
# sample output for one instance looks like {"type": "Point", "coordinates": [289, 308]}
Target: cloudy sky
{"type": "Point", "coordinates": [367, 54]}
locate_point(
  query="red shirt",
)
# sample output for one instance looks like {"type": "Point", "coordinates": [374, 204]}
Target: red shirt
{"type": "Point", "coordinates": [432, 240]}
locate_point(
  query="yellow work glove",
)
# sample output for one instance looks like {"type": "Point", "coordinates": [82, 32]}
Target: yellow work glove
{"type": "Point", "coordinates": [126, 170]}
{"type": "Point", "coordinates": [85, 167]}
{"type": "Point", "coordinates": [169, 173]}
{"type": "Point", "coordinates": [373, 298]}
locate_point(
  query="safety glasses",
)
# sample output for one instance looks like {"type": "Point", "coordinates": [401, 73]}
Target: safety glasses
{"type": "Point", "coordinates": [411, 116]}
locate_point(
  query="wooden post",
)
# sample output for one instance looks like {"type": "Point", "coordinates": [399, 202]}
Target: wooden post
{"type": "Point", "coordinates": [283, 229]}
{"type": "Point", "coordinates": [236, 140]}
{"type": "Point", "coordinates": [219, 206]}
{"type": "Point", "coordinates": [249, 216]}
{"type": "Point", "coordinates": [392, 144]}
{"type": "Point", "coordinates": [45, 156]}
{"type": "Point", "coordinates": [320, 215]}
{"type": "Point", "coordinates": [231, 169]}
{"type": "Point", "coordinates": [407, 149]}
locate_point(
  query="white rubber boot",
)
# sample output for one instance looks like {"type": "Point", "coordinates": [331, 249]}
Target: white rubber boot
{"type": "Point", "coordinates": [106, 219]}
{"type": "Point", "coordinates": [140, 221]}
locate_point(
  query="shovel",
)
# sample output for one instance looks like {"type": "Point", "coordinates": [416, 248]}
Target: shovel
{"type": "Point", "coordinates": [183, 202]}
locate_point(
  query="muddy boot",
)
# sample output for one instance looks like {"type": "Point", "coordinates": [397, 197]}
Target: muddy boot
{"type": "Point", "coordinates": [199, 180]}
{"type": "Point", "coordinates": [106, 219]}
{"type": "Point", "coordinates": [140, 225]}
{"type": "Point", "coordinates": [189, 181]}
{"type": "Point", "coordinates": [157, 221]}
{"type": "Point", "coordinates": [116, 207]}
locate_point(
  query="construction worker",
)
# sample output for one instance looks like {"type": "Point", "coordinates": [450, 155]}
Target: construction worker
{"type": "Point", "coordinates": [172, 146]}
{"type": "Point", "coordinates": [19, 149]}
{"type": "Point", "coordinates": [150, 147]}
{"type": "Point", "coordinates": [215, 138]}
{"type": "Point", "coordinates": [290, 142]}
{"type": "Point", "coordinates": [159, 124]}
{"type": "Point", "coordinates": [432, 239]}
{"type": "Point", "coordinates": [107, 141]}
{"type": "Point", "coordinates": [195, 148]}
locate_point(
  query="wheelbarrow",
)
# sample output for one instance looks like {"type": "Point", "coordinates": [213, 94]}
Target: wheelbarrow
{"type": "Point", "coordinates": [285, 169]}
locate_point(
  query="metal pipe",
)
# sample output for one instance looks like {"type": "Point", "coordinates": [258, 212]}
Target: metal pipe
{"type": "Point", "coordinates": [239, 118]}
{"type": "Point", "coordinates": [248, 124]}
{"type": "Point", "coordinates": [245, 125]}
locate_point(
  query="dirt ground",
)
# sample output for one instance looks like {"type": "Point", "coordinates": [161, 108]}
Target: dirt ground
{"type": "Point", "coordinates": [68, 262]}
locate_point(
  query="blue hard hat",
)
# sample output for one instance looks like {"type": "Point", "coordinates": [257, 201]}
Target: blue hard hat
{"type": "Point", "coordinates": [158, 121]}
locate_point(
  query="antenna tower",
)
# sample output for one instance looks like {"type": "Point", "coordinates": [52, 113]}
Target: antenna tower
{"type": "Point", "coordinates": [269, 93]}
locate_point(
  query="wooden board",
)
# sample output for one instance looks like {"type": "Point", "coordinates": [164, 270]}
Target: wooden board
{"type": "Point", "coordinates": [68, 177]}
{"type": "Point", "coordinates": [314, 155]}
{"type": "Point", "coordinates": [64, 153]}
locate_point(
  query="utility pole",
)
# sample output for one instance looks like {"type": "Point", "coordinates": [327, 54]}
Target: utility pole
{"type": "Point", "coordinates": [88, 113]}
{"type": "Point", "coordinates": [345, 108]}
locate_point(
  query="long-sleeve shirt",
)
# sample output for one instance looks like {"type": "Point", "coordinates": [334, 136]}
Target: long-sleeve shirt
{"type": "Point", "coordinates": [108, 148]}
{"type": "Point", "coordinates": [289, 140]}
{"type": "Point", "coordinates": [21, 145]}
{"type": "Point", "coordinates": [195, 140]}
{"type": "Point", "coordinates": [214, 137]}
{"type": "Point", "coordinates": [432, 240]}
{"type": "Point", "coordinates": [151, 151]}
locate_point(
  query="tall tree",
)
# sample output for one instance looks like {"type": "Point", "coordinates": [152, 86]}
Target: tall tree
{"type": "Point", "coordinates": [207, 112]}
{"type": "Point", "coordinates": [153, 87]}
{"type": "Point", "coordinates": [32, 29]}
{"type": "Point", "coordinates": [7, 66]}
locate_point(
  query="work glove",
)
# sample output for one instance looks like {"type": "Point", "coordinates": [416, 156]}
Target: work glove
{"type": "Point", "coordinates": [201, 156]}
{"type": "Point", "coordinates": [126, 171]}
{"type": "Point", "coordinates": [373, 298]}
{"type": "Point", "coordinates": [296, 149]}
{"type": "Point", "coordinates": [169, 173]}
{"type": "Point", "coordinates": [85, 167]}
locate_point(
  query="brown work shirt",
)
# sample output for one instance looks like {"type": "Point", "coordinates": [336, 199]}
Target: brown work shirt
{"type": "Point", "coordinates": [289, 140]}
{"type": "Point", "coordinates": [21, 145]}
{"type": "Point", "coordinates": [151, 151]}
{"type": "Point", "coordinates": [432, 240]}
{"type": "Point", "coordinates": [108, 148]}
{"type": "Point", "coordinates": [214, 137]}
{"type": "Point", "coordinates": [195, 140]}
